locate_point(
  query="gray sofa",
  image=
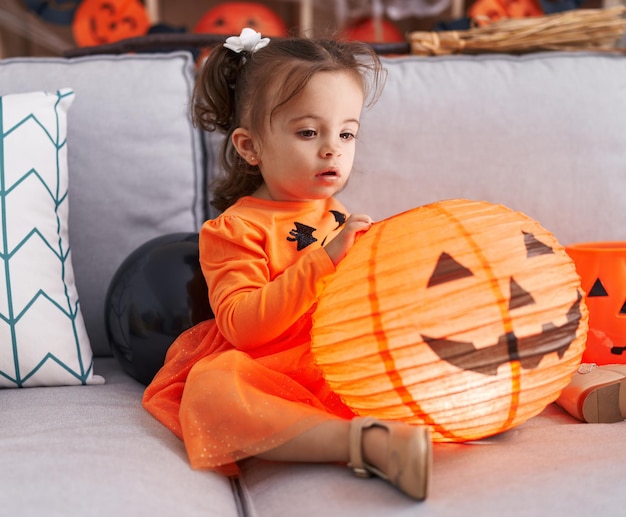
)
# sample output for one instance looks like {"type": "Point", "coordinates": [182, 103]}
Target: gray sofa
{"type": "Point", "coordinates": [543, 133]}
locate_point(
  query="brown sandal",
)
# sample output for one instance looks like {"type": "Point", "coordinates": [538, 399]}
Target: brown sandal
{"type": "Point", "coordinates": [410, 455]}
{"type": "Point", "coordinates": [596, 394]}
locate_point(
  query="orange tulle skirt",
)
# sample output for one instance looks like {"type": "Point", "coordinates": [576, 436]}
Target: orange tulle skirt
{"type": "Point", "coordinates": [227, 405]}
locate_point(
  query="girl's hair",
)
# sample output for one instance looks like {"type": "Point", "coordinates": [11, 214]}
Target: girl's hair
{"type": "Point", "coordinates": [244, 90]}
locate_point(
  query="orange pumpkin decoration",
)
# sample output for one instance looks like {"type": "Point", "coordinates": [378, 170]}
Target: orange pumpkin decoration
{"type": "Point", "coordinates": [602, 268]}
{"type": "Point", "coordinates": [232, 17]}
{"type": "Point", "coordinates": [461, 315]}
{"type": "Point", "coordinates": [97, 22]}
{"type": "Point", "coordinates": [484, 12]}
{"type": "Point", "coordinates": [372, 31]}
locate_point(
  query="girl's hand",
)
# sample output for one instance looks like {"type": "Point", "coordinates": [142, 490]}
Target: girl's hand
{"type": "Point", "coordinates": [339, 246]}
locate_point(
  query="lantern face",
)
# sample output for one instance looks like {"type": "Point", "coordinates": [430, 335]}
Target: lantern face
{"type": "Point", "coordinates": [602, 268]}
{"type": "Point", "coordinates": [98, 22]}
{"type": "Point", "coordinates": [232, 17]}
{"type": "Point", "coordinates": [461, 315]}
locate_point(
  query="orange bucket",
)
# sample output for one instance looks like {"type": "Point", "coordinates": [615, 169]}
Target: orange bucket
{"type": "Point", "coordinates": [602, 269]}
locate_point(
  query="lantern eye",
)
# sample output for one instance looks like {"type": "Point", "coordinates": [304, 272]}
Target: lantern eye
{"type": "Point", "coordinates": [519, 296]}
{"type": "Point", "coordinates": [622, 311]}
{"type": "Point", "coordinates": [535, 247]}
{"type": "Point", "coordinates": [598, 290]}
{"type": "Point", "coordinates": [447, 270]}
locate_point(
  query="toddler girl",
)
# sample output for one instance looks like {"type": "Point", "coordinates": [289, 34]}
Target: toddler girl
{"type": "Point", "coordinates": [245, 384]}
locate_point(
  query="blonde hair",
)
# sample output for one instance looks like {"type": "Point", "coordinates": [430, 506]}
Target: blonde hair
{"type": "Point", "coordinates": [244, 90]}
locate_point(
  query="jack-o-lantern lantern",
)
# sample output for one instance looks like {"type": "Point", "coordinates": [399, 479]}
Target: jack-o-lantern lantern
{"type": "Point", "coordinates": [602, 269]}
{"type": "Point", "coordinates": [98, 22]}
{"type": "Point", "coordinates": [232, 17]}
{"type": "Point", "coordinates": [461, 315]}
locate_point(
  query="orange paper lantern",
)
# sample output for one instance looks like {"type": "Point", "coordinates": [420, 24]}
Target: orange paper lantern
{"type": "Point", "coordinates": [602, 269]}
{"type": "Point", "coordinates": [461, 315]}
{"type": "Point", "coordinates": [98, 22]}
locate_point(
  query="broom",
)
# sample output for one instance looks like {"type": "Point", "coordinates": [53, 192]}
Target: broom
{"type": "Point", "coordinates": [580, 29]}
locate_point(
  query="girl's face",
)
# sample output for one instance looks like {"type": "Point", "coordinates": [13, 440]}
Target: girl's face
{"type": "Point", "coordinates": [308, 149]}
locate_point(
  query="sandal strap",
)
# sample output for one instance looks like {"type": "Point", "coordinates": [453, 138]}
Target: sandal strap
{"type": "Point", "coordinates": [357, 426]}
{"type": "Point", "coordinates": [409, 455]}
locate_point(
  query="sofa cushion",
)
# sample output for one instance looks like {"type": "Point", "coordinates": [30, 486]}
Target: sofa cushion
{"type": "Point", "coordinates": [43, 341]}
{"type": "Point", "coordinates": [95, 451]}
{"type": "Point", "coordinates": [135, 160]}
{"type": "Point", "coordinates": [550, 465]}
{"type": "Point", "coordinates": [532, 132]}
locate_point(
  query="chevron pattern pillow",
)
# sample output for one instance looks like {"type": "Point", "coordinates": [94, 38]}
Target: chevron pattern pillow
{"type": "Point", "coordinates": [43, 341]}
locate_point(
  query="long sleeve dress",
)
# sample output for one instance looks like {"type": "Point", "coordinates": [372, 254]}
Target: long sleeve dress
{"type": "Point", "coordinates": [246, 382]}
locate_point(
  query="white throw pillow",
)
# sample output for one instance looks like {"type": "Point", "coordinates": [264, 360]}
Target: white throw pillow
{"type": "Point", "coordinates": [43, 341]}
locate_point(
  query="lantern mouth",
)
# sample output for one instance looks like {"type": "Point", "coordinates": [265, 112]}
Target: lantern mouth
{"type": "Point", "coordinates": [529, 351]}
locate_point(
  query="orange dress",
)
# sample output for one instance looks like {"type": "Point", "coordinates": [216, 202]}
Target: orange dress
{"type": "Point", "coordinates": [246, 382]}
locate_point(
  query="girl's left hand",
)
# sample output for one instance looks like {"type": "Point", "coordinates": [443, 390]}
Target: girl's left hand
{"type": "Point", "coordinates": [339, 246]}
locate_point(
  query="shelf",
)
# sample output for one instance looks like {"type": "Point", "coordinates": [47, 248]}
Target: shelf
{"type": "Point", "coordinates": [306, 18]}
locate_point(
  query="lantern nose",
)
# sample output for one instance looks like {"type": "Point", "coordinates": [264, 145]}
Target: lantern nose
{"type": "Point", "coordinates": [520, 297]}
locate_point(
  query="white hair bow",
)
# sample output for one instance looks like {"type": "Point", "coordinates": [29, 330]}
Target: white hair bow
{"type": "Point", "coordinates": [249, 40]}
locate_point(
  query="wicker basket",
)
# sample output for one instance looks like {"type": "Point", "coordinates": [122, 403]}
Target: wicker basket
{"type": "Point", "coordinates": [580, 29]}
